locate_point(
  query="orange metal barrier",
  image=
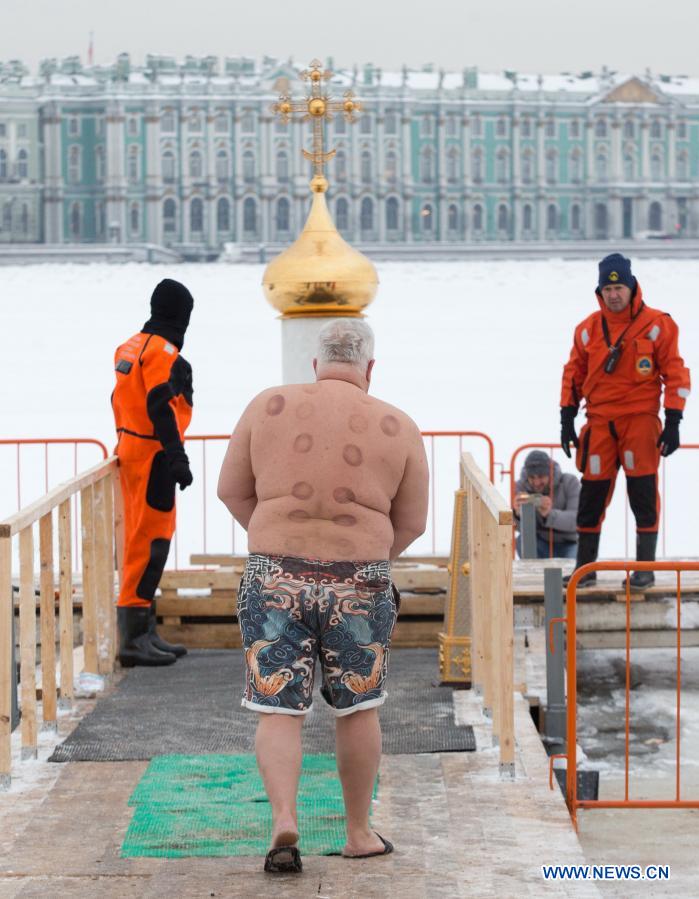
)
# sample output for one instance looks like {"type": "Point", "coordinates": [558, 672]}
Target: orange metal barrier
{"type": "Point", "coordinates": [570, 621]}
{"type": "Point", "coordinates": [431, 437]}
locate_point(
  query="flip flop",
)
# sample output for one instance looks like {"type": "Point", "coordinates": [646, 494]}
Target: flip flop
{"type": "Point", "coordinates": [283, 860]}
{"type": "Point", "coordinates": [387, 849]}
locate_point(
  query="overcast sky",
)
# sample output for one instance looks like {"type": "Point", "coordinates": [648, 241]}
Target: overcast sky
{"type": "Point", "coordinates": [534, 36]}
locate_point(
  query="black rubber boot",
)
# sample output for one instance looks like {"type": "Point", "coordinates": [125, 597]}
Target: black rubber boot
{"type": "Point", "coordinates": [135, 647]}
{"type": "Point", "coordinates": [646, 545]}
{"type": "Point", "coordinates": [156, 640]}
{"type": "Point", "coordinates": [588, 547]}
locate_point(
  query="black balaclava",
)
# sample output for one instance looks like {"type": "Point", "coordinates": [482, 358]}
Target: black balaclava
{"type": "Point", "coordinates": [170, 308]}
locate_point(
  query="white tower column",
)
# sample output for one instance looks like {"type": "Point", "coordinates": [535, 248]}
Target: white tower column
{"type": "Point", "coordinates": [154, 185]}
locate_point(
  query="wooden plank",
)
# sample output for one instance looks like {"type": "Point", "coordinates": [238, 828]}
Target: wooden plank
{"type": "Point", "coordinates": [88, 572]}
{"type": "Point", "coordinates": [477, 564]}
{"type": "Point", "coordinates": [48, 622]}
{"type": "Point", "coordinates": [65, 601]}
{"type": "Point", "coordinates": [32, 513]}
{"type": "Point", "coordinates": [103, 572]}
{"type": "Point", "coordinates": [6, 672]}
{"type": "Point", "coordinates": [109, 571]}
{"type": "Point", "coordinates": [496, 504]}
{"type": "Point", "coordinates": [118, 527]}
{"type": "Point", "coordinates": [27, 640]}
{"type": "Point", "coordinates": [487, 528]}
{"type": "Point", "coordinates": [506, 652]}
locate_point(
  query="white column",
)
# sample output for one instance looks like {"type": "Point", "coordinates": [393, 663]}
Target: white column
{"type": "Point", "coordinates": [671, 152]}
{"type": "Point", "coordinates": [185, 180]}
{"type": "Point", "coordinates": [381, 175]}
{"type": "Point", "coordinates": [406, 163]}
{"type": "Point", "coordinates": [616, 152]}
{"type": "Point", "coordinates": [442, 200]}
{"type": "Point", "coordinates": [116, 177]}
{"type": "Point", "coordinates": [211, 180]}
{"type": "Point", "coordinates": [540, 153]}
{"type": "Point", "coordinates": [54, 180]}
{"type": "Point", "coordinates": [154, 186]}
{"type": "Point", "coordinates": [645, 150]}
{"type": "Point", "coordinates": [590, 152]}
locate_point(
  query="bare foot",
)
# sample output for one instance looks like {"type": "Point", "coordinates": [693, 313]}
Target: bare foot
{"type": "Point", "coordinates": [285, 833]}
{"type": "Point", "coordinates": [363, 843]}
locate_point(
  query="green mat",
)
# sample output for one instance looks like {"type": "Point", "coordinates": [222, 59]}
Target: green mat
{"type": "Point", "coordinates": [215, 805]}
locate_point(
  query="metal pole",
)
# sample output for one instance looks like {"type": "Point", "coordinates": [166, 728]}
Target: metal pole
{"type": "Point", "coordinates": [527, 520]}
{"type": "Point", "coordinates": [555, 719]}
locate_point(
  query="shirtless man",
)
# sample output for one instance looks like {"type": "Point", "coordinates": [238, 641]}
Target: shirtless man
{"type": "Point", "coordinates": [331, 485]}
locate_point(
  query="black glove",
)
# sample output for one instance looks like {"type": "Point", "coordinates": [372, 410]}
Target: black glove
{"type": "Point", "coordinates": [669, 440]}
{"type": "Point", "coordinates": [568, 434]}
{"type": "Point", "coordinates": [179, 466]}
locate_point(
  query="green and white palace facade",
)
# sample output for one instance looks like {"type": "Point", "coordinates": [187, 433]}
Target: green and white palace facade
{"type": "Point", "coordinates": [189, 155]}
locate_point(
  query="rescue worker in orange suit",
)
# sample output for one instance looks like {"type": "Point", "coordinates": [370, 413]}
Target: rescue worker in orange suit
{"type": "Point", "coordinates": [623, 356]}
{"type": "Point", "coordinates": [152, 405]}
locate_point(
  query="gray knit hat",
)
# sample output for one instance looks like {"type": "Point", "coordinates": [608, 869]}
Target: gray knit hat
{"type": "Point", "coordinates": [537, 462]}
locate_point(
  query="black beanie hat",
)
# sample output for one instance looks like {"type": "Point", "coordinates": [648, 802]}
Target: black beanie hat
{"type": "Point", "coordinates": [171, 306]}
{"type": "Point", "coordinates": [615, 269]}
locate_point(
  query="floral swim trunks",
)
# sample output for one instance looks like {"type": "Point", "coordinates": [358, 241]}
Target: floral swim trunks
{"type": "Point", "coordinates": [292, 611]}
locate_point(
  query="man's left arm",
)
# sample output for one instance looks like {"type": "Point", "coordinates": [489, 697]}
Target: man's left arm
{"type": "Point", "coordinates": [674, 375]}
{"type": "Point", "coordinates": [565, 519]}
{"type": "Point", "coordinates": [236, 482]}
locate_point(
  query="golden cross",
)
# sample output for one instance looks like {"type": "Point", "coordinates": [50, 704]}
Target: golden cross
{"type": "Point", "coordinates": [317, 107]}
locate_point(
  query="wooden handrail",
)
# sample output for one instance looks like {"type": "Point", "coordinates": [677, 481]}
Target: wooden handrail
{"type": "Point", "coordinates": [494, 501]}
{"type": "Point", "coordinates": [32, 513]}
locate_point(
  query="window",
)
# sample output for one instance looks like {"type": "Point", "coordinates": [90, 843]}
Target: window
{"type": "Point", "coordinates": [169, 216]}
{"type": "Point", "coordinates": [427, 216]}
{"type": "Point", "coordinates": [550, 126]}
{"type": "Point", "coordinates": [655, 217]}
{"type": "Point", "coordinates": [427, 166]}
{"type": "Point", "coordinates": [365, 124]}
{"type": "Point", "coordinates": [74, 164]}
{"type": "Point", "coordinates": [390, 123]}
{"type": "Point", "coordinates": [575, 217]}
{"type": "Point", "coordinates": [247, 124]}
{"type": "Point", "coordinates": [248, 167]}
{"type": "Point", "coordinates": [222, 168]}
{"type": "Point", "coordinates": [551, 166]}
{"type": "Point", "coordinates": [223, 214]}
{"type": "Point", "coordinates": [683, 166]}
{"type": "Point", "coordinates": [135, 218]}
{"type": "Point", "coordinates": [391, 214]}
{"type": "Point", "coordinates": [656, 128]}
{"type": "Point", "coordinates": [629, 128]}
{"type": "Point", "coordinates": [24, 219]}
{"type": "Point", "coordinates": [601, 167]}
{"type": "Point", "coordinates": [600, 127]}
{"type": "Point", "coordinates": [75, 220]}
{"type": "Point", "coordinates": [99, 164]}
{"type": "Point", "coordinates": [3, 164]}
{"type": "Point", "coordinates": [501, 127]}
{"type": "Point", "coordinates": [341, 165]}
{"type": "Point", "coordinates": [221, 123]}
{"type": "Point", "coordinates": [249, 216]}
{"type": "Point", "coordinates": [426, 126]}
{"type": "Point", "coordinates": [7, 217]}
{"type": "Point", "coordinates": [195, 164]}
{"type": "Point", "coordinates": [502, 166]}
{"type": "Point", "coordinates": [453, 159]}
{"type": "Point", "coordinates": [366, 214]}
{"type": "Point", "coordinates": [74, 129]}
{"type": "Point", "coordinates": [629, 165]}
{"type": "Point", "coordinates": [576, 167]}
{"type": "Point", "coordinates": [340, 125]}
{"type": "Point", "coordinates": [552, 217]}
{"type": "Point", "coordinates": [100, 219]}
{"type": "Point", "coordinates": [656, 165]}
{"type": "Point", "coordinates": [366, 167]}
{"type": "Point", "coordinates": [194, 122]}
{"type": "Point", "coordinates": [132, 164]}
{"type": "Point", "coordinates": [391, 166]}
{"type": "Point", "coordinates": [132, 126]}
{"type": "Point", "coordinates": [280, 126]}
{"type": "Point", "coordinates": [23, 165]}
{"type": "Point", "coordinates": [528, 167]}
{"type": "Point", "coordinates": [342, 214]}
{"type": "Point", "coordinates": [168, 165]}
{"type": "Point", "coordinates": [21, 130]}
{"type": "Point", "coordinates": [601, 221]}
{"type": "Point", "coordinates": [282, 167]}
{"type": "Point", "coordinates": [477, 166]}
{"type": "Point", "coordinates": [196, 216]}
{"type": "Point", "coordinates": [476, 126]}
{"type": "Point", "coordinates": [574, 129]}
{"type": "Point", "coordinates": [452, 126]}
{"type": "Point", "coordinates": [167, 122]}
{"type": "Point", "coordinates": [682, 130]}
{"type": "Point", "coordinates": [478, 217]}
{"type": "Point", "coordinates": [503, 218]}
{"type": "Point", "coordinates": [527, 217]}
{"type": "Point", "coordinates": [3, 129]}
{"type": "Point", "coordinates": [525, 126]}
{"type": "Point", "coordinates": [453, 217]}
{"type": "Point", "coordinates": [283, 210]}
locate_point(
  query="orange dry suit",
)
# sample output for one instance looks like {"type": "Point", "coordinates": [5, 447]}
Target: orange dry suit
{"type": "Point", "coordinates": [152, 405]}
{"type": "Point", "coordinates": [622, 406]}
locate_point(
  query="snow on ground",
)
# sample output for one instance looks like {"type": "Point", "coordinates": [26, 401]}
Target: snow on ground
{"type": "Point", "coordinates": [460, 345]}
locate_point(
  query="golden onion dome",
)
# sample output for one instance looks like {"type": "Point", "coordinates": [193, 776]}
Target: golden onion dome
{"type": "Point", "coordinates": [320, 273]}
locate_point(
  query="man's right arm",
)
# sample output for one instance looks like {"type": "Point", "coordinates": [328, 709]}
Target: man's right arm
{"type": "Point", "coordinates": [236, 482]}
{"type": "Point", "coordinates": [409, 505]}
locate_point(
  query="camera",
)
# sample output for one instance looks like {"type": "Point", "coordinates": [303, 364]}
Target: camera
{"type": "Point", "coordinates": [612, 359]}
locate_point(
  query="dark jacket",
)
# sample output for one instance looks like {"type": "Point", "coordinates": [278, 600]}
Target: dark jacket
{"type": "Point", "coordinates": [561, 518]}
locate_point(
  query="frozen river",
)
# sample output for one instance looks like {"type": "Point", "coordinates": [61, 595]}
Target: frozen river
{"type": "Point", "coordinates": [462, 345]}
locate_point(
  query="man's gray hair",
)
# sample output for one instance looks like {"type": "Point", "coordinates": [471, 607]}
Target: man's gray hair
{"type": "Point", "coordinates": [349, 340]}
